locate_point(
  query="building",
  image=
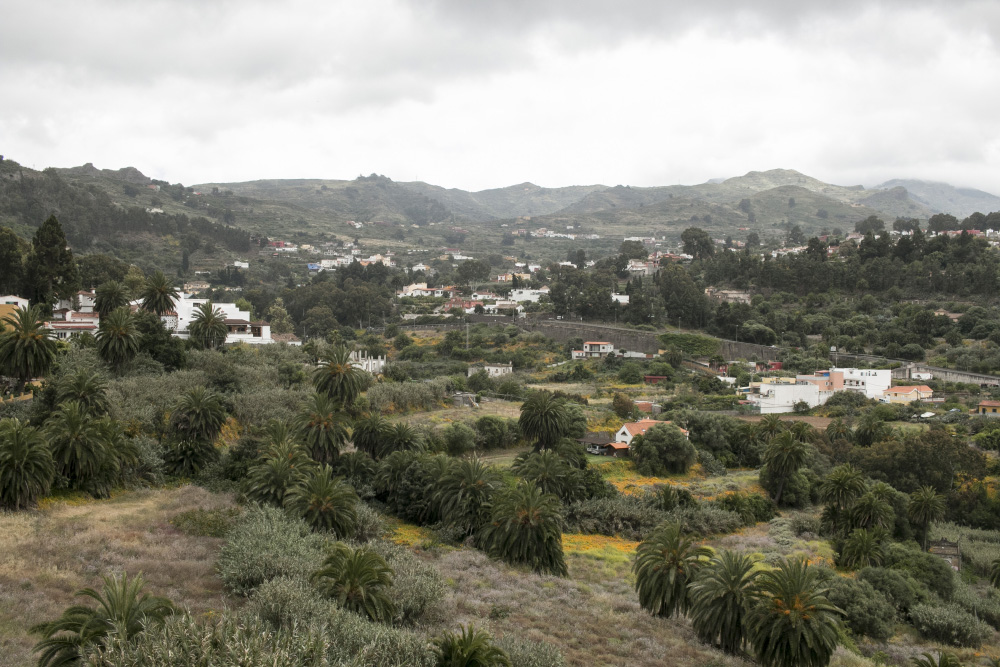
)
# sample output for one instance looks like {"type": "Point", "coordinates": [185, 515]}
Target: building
{"type": "Point", "coordinates": [907, 394]}
{"type": "Point", "coordinates": [594, 349]}
{"type": "Point", "coordinates": [238, 324]}
{"type": "Point", "coordinates": [872, 383]}
{"type": "Point", "coordinates": [493, 370]}
{"type": "Point", "coordinates": [777, 397]}
{"type": "Point", "coordinates": [361, 359]}
{"type": "Point", "coordinates": [629, 431]}
{"type": "Point", "coordinates": [988, 408]}
{"type": "Point", "coordinates": [82, 301]}
{"type": "Point", "coordinates": [10, 303]}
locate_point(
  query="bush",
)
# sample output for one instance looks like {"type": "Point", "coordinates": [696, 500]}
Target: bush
{"type": "Point", "coordinates": [526, 653]}
{"type": "Point", "coordinates": [206, 523]}
{"type": "Point", "coordinates": [710, 465]}
{"type": "Point", "coordinates": [867, 611]}
{"type": "Point", "coordinates": [751, 507]}
{"type": "Point", "coordinates": [949, 624]}
{"type": "Point", "coordinates": [266, 543]}
{"type": "Point", "coordinates": [287, 602]}
{"type": "Point", "coordinates": [416, 587]}
{"type": "Point", "coordinates": [360, 643]}
{"type": "Point", "coordinates": [705, 519]}
{"type": "Point", "coordinates": [371, 526]}
{"type": "Point", "coordinates": [496, 432]}
{"type": "Point", "coordinates": [928, 570]}
{"type": "Point", "coordinates": [458, 438]}
{"type": "Point", "coordinates": [984, 607]}
{"type": "Point", "coordinates": [630, 517]}
{"type": "Point", "coordinates": [662, 450]}
{"type": "Point", "coordinates": [900, 589]}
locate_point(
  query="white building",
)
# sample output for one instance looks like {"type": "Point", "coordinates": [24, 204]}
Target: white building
{"type": "Point", "coordinates": [240, 328]}
{"type": "Point", "coordinates": [630, 430]}
{"type": "Point", "coordinates": [364, 361]}
{"type": "Point", "coordinates": [83, 298]}
{"type": "Point", "coordinates": [620, 298]}
{"type": "Point", "coordinates": [528, 295]}
{"type": "Point", "coordinates": [241, 265]}
{"type": "Point", "coordinates": [872, 383]}
{"type": "Point", "coordinates": [776, 398]}
{"type": "Point", "coordinates": [592, 349]}
{"type": "Point", "coordinates": [13, 300]}
{"type": "Point", "coordinates": [493, 370]}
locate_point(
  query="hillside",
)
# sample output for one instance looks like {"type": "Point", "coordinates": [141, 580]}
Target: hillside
{"type": "Point", "coordinates": [945, 198]}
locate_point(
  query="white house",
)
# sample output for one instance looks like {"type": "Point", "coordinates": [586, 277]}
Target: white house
{"type": "Point", "coordinates": [84, 298]}
{"type": "Point", "coordinates": [592, 349]}
{"type": "Point", "coordinates": [13, 300]}
{"type": "Point", "coordinates": [240, 328]}
{"type": "Point", "coordinates": [493, 370]}
{"type": "Point", "coordinates": [528, 295]}
{"type": "Point", "coordinates": [620, 298]}
{"type": "Point", "coordinates": [872, 383]}
{"type": "Point", "coordinates": [782, 397]}
{"type": "Point", "coordinates": [628, 431]}
{"type": "Point", "coordinates": [241, 265]}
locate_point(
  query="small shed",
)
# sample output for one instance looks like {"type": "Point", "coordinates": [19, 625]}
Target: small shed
{"type": "Point", "coordinates": [949, 551]}
{"type": "Point", "coordinates": [595, 442]}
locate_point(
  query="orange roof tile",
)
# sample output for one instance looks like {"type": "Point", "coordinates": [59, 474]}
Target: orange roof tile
{"type": "Point", "coordinates": [908, 390]}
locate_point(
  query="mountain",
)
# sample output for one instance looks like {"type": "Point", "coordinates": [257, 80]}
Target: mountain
{"type": "Point", "coordinates": [944, 198]}
{"type": "Point", "coordinates": [525, 199]}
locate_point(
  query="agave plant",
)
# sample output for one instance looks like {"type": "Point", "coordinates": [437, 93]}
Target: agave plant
{"type": "Point", "coordinates": [470, 647]}
{"type": "Point", "coordinates": [26, 466]}
{"type": "Point", "coordinates": [525, 528]}
{"type": "Point", "coordinates": [794, 625]}
{"type": "Point", "coordinates": [325, 502]}
{"type": "Point", "coordinates": [665, 564]}
{"type": "Point", "coordinates": [359, 580]}
{"type": "Point", "coordinates": [122, 610]}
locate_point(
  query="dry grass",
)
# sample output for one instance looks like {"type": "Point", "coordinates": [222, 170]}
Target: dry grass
{"type": "Point", "coordinates": [509, 409]}
{"type": "Point", "coordinates": [815, 422]}
{"type": "Point", "coordinates": [622, 474]}
{"type": "Point", "coordinates": [47, 555]}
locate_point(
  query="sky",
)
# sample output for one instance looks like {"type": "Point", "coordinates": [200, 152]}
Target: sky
{"type": "Point", "coordinates": [477, 94]}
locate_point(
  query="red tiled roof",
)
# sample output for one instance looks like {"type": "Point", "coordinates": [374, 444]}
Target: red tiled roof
{"type": "Point", "coordinates": [617, 445]}
{"type": "Point", "coordinates": [908, 390]}
{"type": "Point", "coordinates": [989, 404]}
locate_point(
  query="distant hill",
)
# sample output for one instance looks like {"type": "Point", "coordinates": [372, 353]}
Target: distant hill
{"type": "Point", "coordinates": [944, 198]}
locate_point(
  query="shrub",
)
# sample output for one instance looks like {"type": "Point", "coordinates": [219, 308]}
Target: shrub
{"type": "Point", "coordinates": [709, 464]}
{"type": "Point", "coordinates": [416, 588]}
{"type": "Point", "coordinates": [631, 517]}
{"type": "Point", "coordinates": [662, 450]}
{"type": "Point", "coordinates": [184, 457]}
{"type": "Point", "coordinates": [206, 523]}
{"type": "Point", "coordinates": [929, 570]}
{"type": "Point", "coordinates": [867, 611]}
{"type": "Point", "coordinates": [751, 507]}
{"type": "Point", "coordinates": [949, 624]}
{"type": "Point", "coordinates": [266, 543]}
{"type": "Point", "coordinates": [705, 519]}
{"type": "Point", "coordinates": [371, 526]}
{"type": "Point", "coordinates": [985, 607]}
{"type": "Point", "coordinates": [458, 439]}
{"type": "Point", "coordinates": [900, 589]}
{"type": "Point", "coordinates": [287, 602]}
{"type": "Point", "coordinates": [357, 642]}
{"type": "Point", "coordinates": [526, 653]}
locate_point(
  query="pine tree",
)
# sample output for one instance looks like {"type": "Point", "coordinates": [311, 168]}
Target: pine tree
{"type": "Point", "coordinates": [51, 272]}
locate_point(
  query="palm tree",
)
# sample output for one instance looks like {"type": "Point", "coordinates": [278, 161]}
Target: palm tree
{"type": "Point", "coordinates": [88, 389]}
{"type": "Point", "coordinates": [749, 445]}
{"type": "Point", "coordinates": [357, 468]}
{"type": "Point", "coordinates": [838, 430]}
{"type": "Point", "coordinates": [110, 296]}
{"type": "Point", "coordinates": [464, 493]}
{"type": "Point", "coordinates": [842, 486]}
{"type": "Point", "coordinates": [665, 563]}
{"type": "Point", "coordinates": [323, 427]}
{"type": "Point", "coordinates": [186, 457]}
{"type": "Point", "coordinates": [783, 457]}
{"type": "Point", "coordinates": [199, 414]}
{"type": "Point", "coordinates": [325, 503]}
{"type": "Point", "coordinates": [337, 378]}
{"type": "Point", "coordinates": [794, 625]}
{"type": "Point", "coordinates": [544, 419]}
{"type": "Point", "coordinates": [770, 426]}
{"type": "Point", "coordinates": [118, 338]}
{"type": "Point", "coordinates": [721, 596]}
{"type": "Point", "coordinates": [943, 660]}
{"type": "Point", "coordinates": [159, 294]}
{"type": "Point", "coordinates": [995, 573]}
{"type": "Point", "coordinates": [284, 466]}
{"type": "Point", "coordinates": [471, 648]}
{"type": "Point", "coordinates": [27, 348]}
{"type": "Point", "coordinates": [802, 431]}
{"type": "Point", "coordinates": [870, 429]}
{"type": "Point", "coordinates": [526, 528]}
{"type": "Point", "coordinates": [926, 506]}
{"type": "Point", "coordinates": [863, 548]}
{"type": "Point", "coordinates": [78, 443]}
{"type": "Point", "coordinates": [122, 610]}
{"type": "Point", "coordinates": [207, 328]}
{"type": "Point", "coordinates": [358, 579]}
{"type": "Point", "coordinates": [370, 435]}
{"type": "Point", "coordinates": [402, 437]}
{"type": "Point", "coordinates": [870, 511]}
{"type": "Point", "coordinates": [26, 466]}
{"type": "Point", "coordinates": [551, 473]}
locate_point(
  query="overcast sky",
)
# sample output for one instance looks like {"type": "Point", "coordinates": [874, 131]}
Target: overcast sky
{"type": "Point", "coordinates": [475, 94]}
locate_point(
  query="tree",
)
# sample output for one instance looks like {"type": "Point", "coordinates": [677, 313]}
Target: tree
{"type": "Point", "coordinates": [662, 450]}
{"type": "Point", "coordinates": [622, 405]}
{"type": "Point", "coordinates": [795, 236]}
{"type": "Point", "coordinates": [337, 378]}
{"type": "Point", "coordinates": [721, 597]}
{"type": "Point", "coordinates": [872, 224]}
{"type": "Point", "coordinates": [12, 252]}
{"type": "Point", "coordinates": [278, 318]}
{"type": "Point", "coordinates": [27, 348]}
{"type": "Point", "coordinates": [122, 611]}
{"type": "Point", "coordinates": [783, 457]}
{"type": "Point", "coordinates": [208, 328]}
{"type": "Point", "coordinates": [842, 486]}
{"type": "Point", "coordinates": [552, 474]}
{"type": "Point", "coordinates": [872, 511]}
{"type": "Point", "coordinates": [863, 548]}
{"type": "Point", "coordinates": [118, 338]}
{"type": "Point", "coordinates": [325, 503]}
{"type": "Point", "coordinates": [78, 443]}
{"type": "Point", "coordinates": [794, 625]}
{"type": "Point", "coordinates": [995, 573]}
{"type": "Point", "coordinates": [370, 435]}
{"type": "Point", "coordinates": [359, 580]}
{"type": "Point", "coordinates": [464, 493]}
{"type": "Point", "coordinates": [199, 414]}
{"type": "Point", "coordinates": [159, 294]}
{"type": "Point", "coordinates": [697, 243]}
{"type": "Point", "coordinates": [471, 648]}
{"type": "Point", "coordinates": [323, 428]}
{"type": "Point", "coordinates": [525, 528]}
{"type": "Point", "coordinates": [926, 505]}
{"type": "Point", "coordinates": [285, 465]}
{"type": "Point", "coordinates": [544, 419]}
{"type": "Point", "coordinates": [665, 564]}
{"type": "Point", "coordinates": [109, 297]}
{"type": "Point", "coordinates": [50, 270]}
{"type": "Point", "coordinates": [26, 466]}
{"type": "Point", "coordinates": [753, 239]}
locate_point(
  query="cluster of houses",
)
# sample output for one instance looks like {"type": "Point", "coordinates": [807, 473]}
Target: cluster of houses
{"type": "Point", "coordinates": [773, 395]}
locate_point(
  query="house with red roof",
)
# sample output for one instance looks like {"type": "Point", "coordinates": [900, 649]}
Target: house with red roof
{"type": "Point", "coordinates": [988, 408]}
{"type": "Point", "coordinates": [907, 394]}
{"type": "Point", "coordinates": [630, 430]}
